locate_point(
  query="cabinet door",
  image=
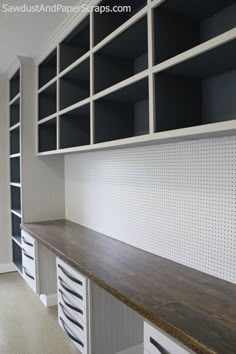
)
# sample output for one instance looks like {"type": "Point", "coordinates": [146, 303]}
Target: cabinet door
{"type": "Point", "coordinates": [158, 342]}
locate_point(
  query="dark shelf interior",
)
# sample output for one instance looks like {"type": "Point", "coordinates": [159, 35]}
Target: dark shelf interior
{"type": "Point", "coordinates": [123, 114]}
{"type": "Point", "coordinates": [107, 22]}
{"type": "Point", "coordinates": [15, 198]}
{"type": "Point", "coordinates": [75, 45]}
{"type": "Point", "coordinates": [75, 128]}
{"type": "Point", "coordinates": [123, 57]}
{"type": "Point", "coordinates": [47, 104]}
{"type": "Point", "coordinates": [75, 85]}
{"type": "Point", "coordinates": [15, 113]}
{"type": "Point", "coordinates": [48, 135]}
{"type": "Point", "coordinates": [15, 170]}
{"type": "Point", "coordinates": [15, 85]}
{"type": "Point", "coordinates": [198, 91]}
{"type": "Point", "coordinates": [15, 141]}
{"type": "Point", "coordinates": [15, 227]}
{"type": "Point", "coordinates": [180, 25]}
{"type": "Point", "coordinates": [17, 255]}
{"type": "Point", "coordinates": [48, 69]}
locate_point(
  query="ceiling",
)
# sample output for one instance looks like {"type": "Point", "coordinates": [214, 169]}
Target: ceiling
{"type": "Point", "coordinates": [24, 33]}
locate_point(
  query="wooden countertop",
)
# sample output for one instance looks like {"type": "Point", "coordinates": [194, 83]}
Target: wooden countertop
{"type": "Point", "coordinates": [197, 309]}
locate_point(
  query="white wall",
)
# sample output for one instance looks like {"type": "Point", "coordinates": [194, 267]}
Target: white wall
{"type": "Point", "coordinates": [176, 200]}
{"type": "Point", "coordinates": [5, 241]}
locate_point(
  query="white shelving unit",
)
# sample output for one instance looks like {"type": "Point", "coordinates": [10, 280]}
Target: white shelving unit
{"type": "Point", "coordinates": [36, 186]}
{"type": "Point", "coordinates": [162, 73]}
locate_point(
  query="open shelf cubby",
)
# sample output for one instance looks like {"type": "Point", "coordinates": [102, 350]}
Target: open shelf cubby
{"type": "Point", "coordinates": [47, 135]}
{"type": "Point", "coordinates": [197, 91]}
{"type": "Point", "coordinates": [15, 141]}
{"type": "Point", "coordinates": [75, 85]}
{"type": "Point", "coordinates": [76, 44]}
{"type": "Point", "coordinates": [123, 57]}
{"type": "Point", "coordinates": [15, 112]}
{"type": "Point", "coordinates": [16, 199]}
{"type": "Point", "coordinates": [123, 113]}
{"type": "Point", "coordinates": [15, 85]}
{"type": "Point", "coordinates": [180, 25]}
{"type": "Point", "coordinates": [75, 127]}
{"type": "Point", "coordinates": [47, 101]}
{"type": "Point", "coordinates": [47, 69]}
{"type": "Point", "coordinates": [106, 22]}
{"type": "Point", "coordinates": [15, 227]}
{"type": "Point", "coordinates": [15, 170]}
{"type": "Point", "coordinates": [17, 256]}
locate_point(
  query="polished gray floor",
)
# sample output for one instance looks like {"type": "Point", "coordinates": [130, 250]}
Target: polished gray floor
{"type": "Point", "coordinates": [26, 326]}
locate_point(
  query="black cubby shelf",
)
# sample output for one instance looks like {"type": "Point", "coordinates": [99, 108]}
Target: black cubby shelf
{"type": "Point", "coordinates": [15, 112]}
{"type": "Point", "coordinates": [75, 45]}
{"type": "Point", "coordinates": [17, 256]}
{"type": "Point", "coordinates": [16, 199]}
{"type": "Point", "coordinates": [197, 91]}
{"type": "Point", "coordinates": [15, 85]}
{"type": "Point", "coordinates": [75, 85]}
{"type": "Point", "coordinates": [47, 139]}
{"type": "Point", "coordinates": [123, 57]}
{"type": "Point", "coordinates": [123, 113]}
{"type": "Point", "coordinates": [47, 102]}
{"type": "Point", "coordinates": [15, 170]}
{"type": "Point", "coordinates": [181, 25]}
{"type": "Point", "coordinates": [75, 127]}
{"type": "Point", "coordinates": [15, 141]}
{"type": "Point", "coordinates": [47, 69]}
{"type": "Point", "coordinates": [106, 22]}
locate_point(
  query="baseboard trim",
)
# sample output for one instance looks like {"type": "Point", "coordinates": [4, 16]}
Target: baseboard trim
{"type": "Point", "coordinates": [48, 300]}
{"type": "Point", "coordinates": [7, 268]}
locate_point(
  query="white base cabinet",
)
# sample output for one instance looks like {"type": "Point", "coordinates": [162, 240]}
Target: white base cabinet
{"type": "Point", "coordinates": [30, 261]}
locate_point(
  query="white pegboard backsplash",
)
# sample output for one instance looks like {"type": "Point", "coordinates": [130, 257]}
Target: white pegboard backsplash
{"type": "Point", "coordinates": [177, 200]}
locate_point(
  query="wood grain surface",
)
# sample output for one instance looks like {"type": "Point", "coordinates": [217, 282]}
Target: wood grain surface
{"type": "Point", "coordinates": [197, 309]}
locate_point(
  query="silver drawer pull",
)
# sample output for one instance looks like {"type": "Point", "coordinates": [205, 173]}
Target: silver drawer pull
{"type": "Point", "coordinates": [76, 323]}
{"type": "Point", "coordinates": [27, 242]}
{"type": "Point", "coordinates": [70, 276]}
{"type": "Point", "coordinates": [27, 273]}
{"type": "Point", "coordinates": [27, 255]}
{"type": "Point", "coordinates": [69, 334]}
{"type": "Point", "coordinates": [68, 304]}
{"type": "Point", "coordinates": [158, 346]}
{"type": "Point", "coordinates": [70, 291]}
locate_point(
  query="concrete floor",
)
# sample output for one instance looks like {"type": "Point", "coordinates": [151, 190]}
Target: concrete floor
{"type": "Point", "coordinates": [26, 326]}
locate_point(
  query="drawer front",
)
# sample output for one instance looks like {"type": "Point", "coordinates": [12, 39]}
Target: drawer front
{"type": "Point", "coordinates": [71, 305]}
{"type": "Point", "coordinates": [75, 323]}
{"type": "Point", "coordinates": [28, 262]}
{"type": "Point", "coordinates": [30, 278]}
{"type": "Point", "coordinates": [157, 342]}
{"type": "Point", "coordinates": [72, 333]}
{"type": "Point", "coordinates": [72, 277]}
{"type": "Point", "coordinates": [28, 244]}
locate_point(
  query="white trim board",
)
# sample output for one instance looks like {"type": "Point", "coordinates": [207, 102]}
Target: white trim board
{"type": "Point", "coordinates": [48, 300]}
{"type": "Point", "coordinates": [7, 267]}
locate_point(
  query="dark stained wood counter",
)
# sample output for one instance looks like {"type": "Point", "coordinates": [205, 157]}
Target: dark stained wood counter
{"type": "Point", "coordinates": [197, 309]}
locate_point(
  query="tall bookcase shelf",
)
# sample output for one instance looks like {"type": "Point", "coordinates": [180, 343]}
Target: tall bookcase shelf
{"type": "Point", "coordinates": [164, 71]}
{"type": "Point", "coordinates": [15, 173]}
{"type": "Point", "coordinates": [28, 175]}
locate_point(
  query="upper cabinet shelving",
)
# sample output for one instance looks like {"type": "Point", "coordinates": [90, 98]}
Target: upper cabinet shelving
{"type": "Point", "coordinates": [162, 71]}
{"type": "Point", "coordinates": [47, 69]}
{"type": "Point", "coordinates": [180, 25]}
{"type": "Point", "coordinates": [75, 45]}
{"type": "Point", "coordinates": [106, 22]}
{"type": "Point", "coordinates": [15, 85]}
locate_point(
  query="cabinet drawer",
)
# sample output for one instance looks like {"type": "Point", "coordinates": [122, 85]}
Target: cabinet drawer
{"type": "Point", "coordinates": [75, 323]}
{"type": "Point", "coordinates": [72, 333]}
{"type": "Point", "coordinates": [30, 278]}
{"type": "Point", "coordinates": [72, 306]}
{"type": "Point", "coordinates": [28, 244]}
{"type": "Point", "coordinates": [72, 277]}
{"type": "Point", "coordinates": [158, 342]}
{"type": "Point", "coordinates": [28, 262]}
